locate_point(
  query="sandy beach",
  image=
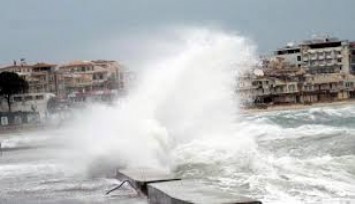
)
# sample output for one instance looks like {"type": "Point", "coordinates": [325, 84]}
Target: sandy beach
{"type": "Point", "coordinates": [297, 107]}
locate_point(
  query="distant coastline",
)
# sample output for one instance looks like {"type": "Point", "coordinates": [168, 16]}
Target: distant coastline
{"type": "Point", "coordinates": [291, 107]}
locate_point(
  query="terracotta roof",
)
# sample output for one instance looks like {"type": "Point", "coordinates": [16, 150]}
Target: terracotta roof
{"type": "Point", "coordinates": [17, 66]}
{"type": "Point", "coordinates": [77, 63]}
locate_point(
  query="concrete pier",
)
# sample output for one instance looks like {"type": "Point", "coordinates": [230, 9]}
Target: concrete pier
{"type": "Point", "coordinates": [164, 188]}
{"type": "Point", "coordinates": [140, 178]}
{"type": "Point", "coordinates": [192, 191]}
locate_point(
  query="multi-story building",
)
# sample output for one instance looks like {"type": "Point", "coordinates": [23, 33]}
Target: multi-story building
{"type": "Point", "coordinates": [318, 70]}
{"type": "Point", "coordinates": [319, 55]}
{"type": "Point", "coordinates": [39, 76]}
{"type": "Point", "coordinates": [84, 77]}
{"type": "Point", "coordinates": [290, 56]}
{"type": "Point", "coordinates": [115, 71]}
{"type": "Point", "coordinates": [42, 78]}
{"type": "Point", "coordinates": [352, 57]}
{"type": "Point", "coordinates": [325, 55]}
{"type": "Point", "coordinates": [84, 80]}
{"type": "Point", "coordinates": [246, 90]}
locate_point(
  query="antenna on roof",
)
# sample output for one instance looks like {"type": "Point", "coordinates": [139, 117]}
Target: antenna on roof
{"type": "Point", "coordinates": [23, 61]}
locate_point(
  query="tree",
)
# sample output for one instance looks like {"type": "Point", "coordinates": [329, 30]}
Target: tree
{"type": "Point", "coordinates": [10, 84]}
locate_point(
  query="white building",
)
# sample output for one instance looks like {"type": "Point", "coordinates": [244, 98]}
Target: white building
{"type": "Point", "coordinates": [326, 55]}
{"type": "Point", "coordinates": [29, 102]}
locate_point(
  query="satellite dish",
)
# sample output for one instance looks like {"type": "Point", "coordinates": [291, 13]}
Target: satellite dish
{"type": "Point", "coordinates": [258, 72]}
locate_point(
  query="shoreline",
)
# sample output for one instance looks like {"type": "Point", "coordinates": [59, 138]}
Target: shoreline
{"type": "Point", "coordinates": [244, 111]}
{"type": "Point", "coordinates": [292, 107]}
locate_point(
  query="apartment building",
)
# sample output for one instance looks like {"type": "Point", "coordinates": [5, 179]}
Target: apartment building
{"type": "Point", "coordinates": [319, 55]}
{"type": "Point", "coordinates": [39, 76]}
{"type": "Point", "coordinates": [325, 55]}
{"type": "Point", "coordinates": [290, 56]}
{"type": "Point", "coordinates": [352, 57]}
{"type": "Point", "coordinates": [91, 80]}
{"type": "Point", "coordinates": [79, 77]}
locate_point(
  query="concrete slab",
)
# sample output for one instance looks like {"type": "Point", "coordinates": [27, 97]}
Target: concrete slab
{"type": "Point", "coordinates": [140, 178]}
{"type": "Point", "coordinates": [192, 191]}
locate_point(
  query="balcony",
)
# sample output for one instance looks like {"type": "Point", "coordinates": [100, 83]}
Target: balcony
{"type": "Point", "coordinates": [334, 90]}
{"type": "Point", "coordinates": [329, 57]}
{"type": "Point", "coordinates": [308, 90]}
{"type": "Point", "coordinates": [330, 62]}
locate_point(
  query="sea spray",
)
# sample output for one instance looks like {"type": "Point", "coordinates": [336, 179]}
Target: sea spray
{"type": "Point", "coordinates": [183, 109]}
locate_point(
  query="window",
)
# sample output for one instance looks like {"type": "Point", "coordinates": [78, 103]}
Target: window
{"type": "Point", "coordinates": [28, 98]}
{"type": "Point", "coordinates": [291, 88]}
{"type": "Point", "coordinates": [39, 97]}
{"type": "Point", "coordinates": [299, 58]}
{"type": "Point", "coordinates": [4, 120]}
{"type": "Point", "coordinates": [17, 98]}
{"type": "Point", "coordinates": [339, 60]}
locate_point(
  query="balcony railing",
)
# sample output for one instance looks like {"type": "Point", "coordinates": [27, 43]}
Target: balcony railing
{"type": "Point", "coordinates": [329, 57]}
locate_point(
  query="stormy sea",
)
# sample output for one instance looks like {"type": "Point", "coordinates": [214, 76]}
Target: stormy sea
{"type": "Point", "coordinates": [182, 116]}
{"type": "Point", "coordinates": [303, 156]}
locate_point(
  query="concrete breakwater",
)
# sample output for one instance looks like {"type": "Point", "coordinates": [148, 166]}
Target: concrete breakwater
{"type": "Point", "coordinates": [164, 188]}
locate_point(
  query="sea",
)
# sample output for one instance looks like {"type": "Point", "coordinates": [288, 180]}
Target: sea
{"type": "Point", "coordinates": [300, 156]}
{"type": "Point", "coordinates": [182, 115]}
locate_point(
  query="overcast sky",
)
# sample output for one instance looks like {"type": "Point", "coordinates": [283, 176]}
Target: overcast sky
{"type": "Point", "coordinates": [64, 30]}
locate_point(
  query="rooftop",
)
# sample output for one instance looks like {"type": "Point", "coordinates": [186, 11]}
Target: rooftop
{"type": "Point", "coordinates": [43, 64]}
{"type": "Point", "coordinates": [77, 63]}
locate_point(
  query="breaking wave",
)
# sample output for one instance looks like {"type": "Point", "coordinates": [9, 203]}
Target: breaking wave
{"type": "Point", "coordinates": [182, 116]}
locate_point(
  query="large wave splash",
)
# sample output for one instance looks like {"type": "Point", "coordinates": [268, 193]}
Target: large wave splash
{"type": "Point", "coordinates": [183, 108]}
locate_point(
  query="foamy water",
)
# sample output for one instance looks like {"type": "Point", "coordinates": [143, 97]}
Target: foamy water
{"type": "Point", "coordinates": [182, 117]}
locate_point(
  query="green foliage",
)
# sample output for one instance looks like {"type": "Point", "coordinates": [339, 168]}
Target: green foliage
{"type": "Point", "coordinates": [11, 83]}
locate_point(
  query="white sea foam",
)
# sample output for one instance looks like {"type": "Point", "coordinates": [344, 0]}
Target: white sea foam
{"type": "Point", "coordinates": [182, 99]}
{"type": "Point", "coordinates": [183, 115]}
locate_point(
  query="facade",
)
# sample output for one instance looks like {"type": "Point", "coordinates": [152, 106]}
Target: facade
{"type": "Point", "coordinates": [40, 76]}
{"type": "Point", "coordinates": [246, 89]}
{"type": "Point", "coordinates": [291, 55]}
{"type": "Point", "coordinates": [352, 57]}
{"type": "Point", "coordinates": [325, 55]}
{"type": "Point", "coordinates": [302, 89]}
{"type": "Point", "coordinates": [319, 55]}
{"type": "Point", "coordinates": [84, 78]}
{"type": "Point", "coordinates": [30, 102]}
{"type": "Point", "coordinates": [317, 70]}
{"type": "Point", "coordinates": [87, 78]}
